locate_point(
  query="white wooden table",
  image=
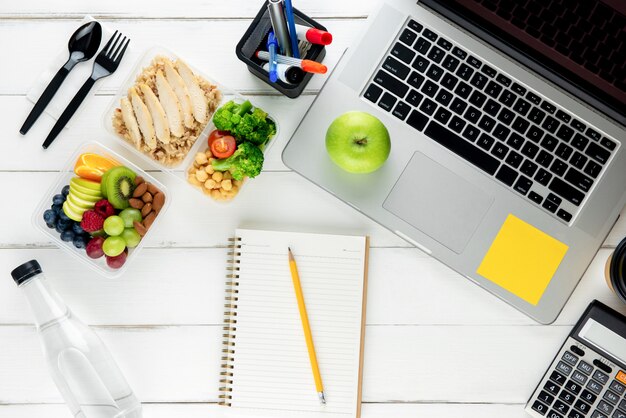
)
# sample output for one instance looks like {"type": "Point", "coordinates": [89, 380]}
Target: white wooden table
{"type": "Point", "coordinates": [436, 345]}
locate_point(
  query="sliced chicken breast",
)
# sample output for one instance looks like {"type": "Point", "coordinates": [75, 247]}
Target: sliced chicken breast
{"type": "Point", "coordinates": [161, 126]}
{"type": "Point", "coordinates": [199, 101]}
{"type": "Point", "coordinates": [178, 85]}
{"type": "Point", "coordinates": [128, 116]}
{"type": "Point", "coordinates": [143, 118]}
{"type": "Point", "coordinates": [170, 104]}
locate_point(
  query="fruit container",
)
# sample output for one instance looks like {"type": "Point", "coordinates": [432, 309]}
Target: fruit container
{"type": "Point", "coordinates": [67, 174]}
{"type": "Point", "coordinates": [180, 168]}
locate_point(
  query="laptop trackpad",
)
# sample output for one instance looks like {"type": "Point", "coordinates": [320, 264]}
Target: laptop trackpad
{"type": "Point", "coordinates": [438, 202]}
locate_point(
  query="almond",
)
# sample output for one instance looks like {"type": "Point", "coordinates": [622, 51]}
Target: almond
{"type": "Point", "coordinates": [136, 203]}
{"type": "Point", "coordinates": [147, 222]}
{"type": "Point", "coordinates": [139, 180]}
{"type": "Point", "coordinates": [147, 197]}
{"type": "Point", "coordinates": [147, 208]}
{"type": "Point", "coordinates": [158, 201]}
{"type": "Point", "coordinates": [140, 190]}
{"type": "Point", "coordinates": [153, 189]}
{"type": "Point", "coordinates": [140, 228]}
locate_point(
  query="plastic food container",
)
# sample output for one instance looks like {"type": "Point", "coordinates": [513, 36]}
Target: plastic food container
{"type": "Point", "coordinates": [180, 169]}
{"type": "Point", "coordinates": [67, 173]}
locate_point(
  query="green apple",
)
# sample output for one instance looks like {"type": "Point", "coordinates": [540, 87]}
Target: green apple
{"type": "Point", "coordinates": [78, 185]}
{"type": "Point", "coordinates": [358, 142]}
{"type": "Point", "coordinates": [72, 212]}
{"type": "Point", "coordinates": [86, 183]}
{"type": "Point", "coordinates": [79, 201]}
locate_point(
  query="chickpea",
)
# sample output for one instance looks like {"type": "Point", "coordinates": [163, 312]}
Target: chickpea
{"type": "Point", "coordinates": [201, 158]}
{"type": "Point", "coordinates": [211, 160]}
{"type": "Point", "coordinates": [206, 191]}
{"type": "Point", "coordinates": [202, 176]}
{"type": "Point", "coordinates": [193, 180]}
{"type": "Point", "coordinates": [208, 154]}
{"type": "Point", "coordinates": [215, 194]}
{"type": "Point", "coordinates": [227, 184]}
{"type": "Point", "coordinates": [211, 184]}
{"type": "Point", "coordinates": [227, 175]}
{"type": "Point", "coordinates": [238, 183]}
{"type": "Point", "coordinates": [209, 169]}
{"type": "Point", "coordinates": [217, 176]}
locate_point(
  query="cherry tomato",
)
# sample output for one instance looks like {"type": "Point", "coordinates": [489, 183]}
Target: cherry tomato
{"type": "Point", "coordinates": [224, 146]}
{"type": "Point", "coordinates": [216, 134]}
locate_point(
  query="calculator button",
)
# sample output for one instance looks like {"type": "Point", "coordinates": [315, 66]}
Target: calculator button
{"type": "Point", "coordinates": [579, 377]}
{"type": "Point", "coordinates": [588, 396]}
{"type": "Point", "coordinates": [605, 407]}
{"type": "Point", "coordinates": [545, 397]}
{"type": "Point", "coordinates": [621, 377]}
{"type": "Point", "coordinates": [595, 387]}
{"type": "Point", "coordinates": [575, 414]}
{"type": "Point", "coordinates": [570, 358]}
{"type": "Point", "coordinates": [552, 387]}
{"type": "Point", "coordinates": [557, 378]}
{"type": "Point", "coordinates": [573, 387]}
{"type": "Point", "coordinates": [567, 397]}
{"type": "Point", "coordinates": [564, 368]}
{"type": "Point", "coordinates": [611, 397]}
{"type": "Point", "coordinates": [586, 368]}
{"type": "Point", "coordinates": [598, 414]}
{"type": "Point", "coordinates": [577, 350]}
{"type": "Point", "coordinates": [554, 414]}
{"type": "Point", "coordinates": [601, 377]}
{"type": "Point", "coordinates": [617, 387]}
{"type": "Point", "coordinates": [582, 406]}
{"type": "Point", "coordinates": [560, 407]}
{"type": "Point", "coordinates": [539, 407]}
{"type": "Point", "coordinates": [619, 414]}
{"type": "Point", "coordinates": [602, 366]}
{"type": "Point", "coordinates": [622, 405]}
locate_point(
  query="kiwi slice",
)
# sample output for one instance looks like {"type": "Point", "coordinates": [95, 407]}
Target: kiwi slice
{"type": "Point", "coordinates": [119, 184]}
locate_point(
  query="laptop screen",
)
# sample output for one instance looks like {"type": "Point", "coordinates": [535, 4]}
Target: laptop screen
{"type": "Point", "coordinates": [583, 42]}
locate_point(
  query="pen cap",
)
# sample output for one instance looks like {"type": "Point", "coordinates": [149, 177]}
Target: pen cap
{"type": "Point", "coordinates": [314, 35]}
{"type": "Point", "coordinates": [287, 73]}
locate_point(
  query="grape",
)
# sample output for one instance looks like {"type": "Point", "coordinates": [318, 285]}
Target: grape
{"type": "Point", "coordinates": [129, 215]}
{"type": "Point", "coordinates": [131, 237]}
{"type": "Point", "coordinates": [113, 246]}
{"type": "Point", "coordinates": [117, 261]}
{"type": "Point", "coordinates": [94, 247]}
{"type": "Point", "coordinates": [113, 225]}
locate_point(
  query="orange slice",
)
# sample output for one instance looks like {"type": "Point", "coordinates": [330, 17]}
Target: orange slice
{"type": "Point", "coordinates": [92, 166]}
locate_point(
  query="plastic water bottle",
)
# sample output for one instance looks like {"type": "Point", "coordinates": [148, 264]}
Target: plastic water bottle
{"type": "Point", "coordinates": [80, 364]}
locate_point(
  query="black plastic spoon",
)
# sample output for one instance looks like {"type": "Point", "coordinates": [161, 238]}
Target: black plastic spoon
{"type": "Point", "coordinates": [83, 45]}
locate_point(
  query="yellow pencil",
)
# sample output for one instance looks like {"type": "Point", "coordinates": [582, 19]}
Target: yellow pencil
{"type": "Point", "coordinates": [307, 328]}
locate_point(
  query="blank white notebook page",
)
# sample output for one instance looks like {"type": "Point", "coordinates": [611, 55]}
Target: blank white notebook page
{"type": "Point", "coordinates": [272, 372]}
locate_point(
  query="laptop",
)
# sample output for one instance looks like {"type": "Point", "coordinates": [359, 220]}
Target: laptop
{"type": "Point", "coordinates": [507, 124]}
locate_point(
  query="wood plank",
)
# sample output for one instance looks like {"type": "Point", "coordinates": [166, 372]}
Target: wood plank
{"type": "Point", "coordinates": [402, 364]}
{"type": "Point", "coordinates": [186, 286]}
{"type": "Point", "coordinates": [211, 410]}
{"type": "Point", "coordinates": [185, 9]}
{"type": "Point", "coordinates": [201, 42]}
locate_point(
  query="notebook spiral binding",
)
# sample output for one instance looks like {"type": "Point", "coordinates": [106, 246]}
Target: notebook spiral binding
{"type": "Point", "coordinates": [230, 322]}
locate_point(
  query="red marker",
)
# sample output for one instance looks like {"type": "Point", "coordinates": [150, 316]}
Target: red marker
{"type": "Point", "coordinates": [313, 35]}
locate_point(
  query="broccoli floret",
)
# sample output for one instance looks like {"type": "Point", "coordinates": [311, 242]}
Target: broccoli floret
{"type": "Point", "coordinates": [246, 161]}
{"type": "Point", "coordinates": [244, 123]}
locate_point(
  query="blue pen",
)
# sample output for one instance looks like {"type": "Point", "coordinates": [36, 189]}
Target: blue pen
{"type": "Point", "coordinates": [272, 44]}
{"type": "Point", "coordinates": [292, 29]}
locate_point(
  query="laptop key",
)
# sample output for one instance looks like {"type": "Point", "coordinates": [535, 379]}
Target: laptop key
{"type": "Point", "coordinates": [506, 116]}
{"type": "Point", "coordinates": [436, 54]}
{"type": "Point", "coordinates": [534, 134]}
{"type": "Point", "coordinates": [565, 133]}
{"type": "Point", "coordinates": [543, 177]}
{"type": "Point", "coordinates": [396, 68]}
{"type": "Point", "coordinates": [557, 201]}
{"type": "Point", "coordinates": [506, 175]}
{"type": "Point", "coordinates": [443, 115]}
{"type": "Point", "coordinates": [403, 53]}
{"type": "Point", "coordinates": [578, 125]}
{"type": "Point", "coordinates": [459, 53]}
{"type": "Point", "coordinates": [443, 97]}
{"type": "Point", "coordinates": [549, 142]}
{"type": "Point", "coordinates": [485, 142]}
{"type": "Point", "coordinates": [471, 133]}
{"type": "Point", "coordinates": [536, 115]}
{"type": "Point", "coordinates": [578, 179]}
{"type": "Point", "coordinates": [415, 26]}
{"type": "Point", "coordinates": [472, 114]}
{"type": "Point", "coordinates": [493, 89]}
{"type": "Point", "coordinates": [548, 107]}
{"type": "Point", "coordinates": [580, 142]}
{"type": "Point", "coordinates": [504, 80]}
{"type": "Point", "coordinates": [463, 90]}
{"type": "Point", "coordinates": [420, 63]}
{"type": "Point", "coordinates": [551, 207]}
{"type": "Point", "coordinates": [408, 37]}
{"type": "Point", "coordinates": [486, 123]}
{"type": "Point", "coordinates": [414, 98]}
{"type": "Point", "coordinates": [450, 63]}
{"type": "Point", "coordinates": [522, 186]}
{"type": "Point", "coordinates": [515, 141]}
{"type": "Point", "coordinates": [565, 215]}
{"type": "Point", "coordinates": [598, 153]}
{"type": "Point", "coordinates": [499, 150]}
{"type": "Point", "coordinates": [578, 160]}
{"type": "Point", "coordinates": [592, 169]}
{"type": "Point", "coordinates": [434, 72]}
{"type": "Point", "coordinates": [521, 106]}
{"type": "Point", "coordinates": [391, 83]}
{"type": "Point", "coordinates": [537, 198]}
{"type": "Point", "coordinates": [417, 120]}
{"type": "Point", "coordinates": [488, 70]}
{"type": "Point", "coordinates": [464, 149]}
{"type": "Point", "coordinates": [501, 132]}
{"type": "Point", "coordinates": [607, 143]}
{"type": "Point", "coordinates": [479, 80]}
{"type": "Point", "coordinates": [458, 106]}
{"type": "Point", "coordinates": [422, 45]}
{"type": "Point", "coordinates": [457, 124]}
{"type": "Point", "coordinates": [550, 124]}
{"type": "Point", "coordinates": [518, 89]}
{"type": "Point", "coordinates": [533, 98]}
{"type": "Point", "coordinates": [544, 158]}
{"type": "Point", "coordinates": [514, 159]}
{"type": "Point", "coordinates": [416, 79]}
{"type": "Point", "coordinates": [401, 110]}
{"type": "Point", "coordinates": [428, 106]}
{"type": "Point", "coordinates": [474, 62]}
{"type": "Point", "coordinates": [520, 124]}
{"type": "Point", "coordinates": [564, 151]}
{"type": "Point", "coordinates": [430, 35]}
{"type": "Point", "coordinates": [387, 102]}
{"type": "Point", "coordinates": [492, 107]}
{"type": "Point", "coordinates": [465, 72]}
{"type": "Point", "coordinates": [558, 167]}
{"type": "Point", "coordinates": [445, 44]}
{"type": "Point", "coordinates": [449, 81]}
{"type": "Point", "coordinates": [372, 93]}
{"type": "Point", "coordinates": [564, 117]}
{"type": "Point", "coordinates": [477, 98]}
{"type": "Point", "coordinates": [593, 134]}
{"type": "Point", "coordinates": [566, 191]}
{"type": "Point", "coordinates": [530, 150]}
{"type": "Point", "coordinates": [429, 88]}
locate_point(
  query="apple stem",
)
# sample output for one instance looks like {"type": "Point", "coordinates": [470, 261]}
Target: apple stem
{"type": "Point", "coordinates": [361, 141]}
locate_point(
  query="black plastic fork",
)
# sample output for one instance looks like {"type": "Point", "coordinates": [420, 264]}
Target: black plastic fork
{"type": "Point", "coordinates": [106, 63]}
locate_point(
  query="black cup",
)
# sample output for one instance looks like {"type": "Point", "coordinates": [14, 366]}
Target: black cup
{"type": "Point", "coordinates": [255, 39]}
{"type": "Point", "coordinates": [616, 271]}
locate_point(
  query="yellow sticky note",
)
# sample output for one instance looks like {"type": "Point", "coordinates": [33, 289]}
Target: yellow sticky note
{"type": "Point", "coordinates": [522, 259]}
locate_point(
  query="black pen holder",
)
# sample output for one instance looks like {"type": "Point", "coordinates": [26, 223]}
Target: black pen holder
{"type": "Point", "coordinates": [255, 39]}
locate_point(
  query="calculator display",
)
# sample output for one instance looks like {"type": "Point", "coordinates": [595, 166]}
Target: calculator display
{"type": "Point", "coordinates": [605, 339]}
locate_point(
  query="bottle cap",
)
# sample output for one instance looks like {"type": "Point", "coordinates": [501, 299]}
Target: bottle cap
{"type": "Point", "coordinates": [24, 272]}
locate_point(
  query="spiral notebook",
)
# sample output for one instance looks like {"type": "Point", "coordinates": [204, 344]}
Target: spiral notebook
{"type": "Point", "coordinates": [266, 370]}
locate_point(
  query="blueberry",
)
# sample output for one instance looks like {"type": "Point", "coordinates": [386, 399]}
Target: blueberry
{"type": "Point", "coordinates": [58, 199]}
{"type": "Point", "coordinates": [50, 216]}
{"type": "Point", "coordinates": [78, 230]}
{"type": "Point", "coordinates": [80, 241]}
{"type": "Point", "coordinates": [58, 228]}
{"type": "Point", "coordinates": [64, 217]}
{"type": "Point", "coordinates": [66, 190]}
{"type": "Point", "coordinates": [57, 208]}
{"type": "Point", "coordinates": [67, 236]}
{"type": "Point", "coordinates": [51, 226]}
{"type": "Point", "coordinates": [64, 225]}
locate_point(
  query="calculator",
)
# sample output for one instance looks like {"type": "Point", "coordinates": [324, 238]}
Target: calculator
{"type": "Point", "coordinates": [588, 375]}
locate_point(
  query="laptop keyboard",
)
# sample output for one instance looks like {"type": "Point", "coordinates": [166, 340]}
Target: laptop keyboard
{"type": "Point", "coordinates": [484, 116]}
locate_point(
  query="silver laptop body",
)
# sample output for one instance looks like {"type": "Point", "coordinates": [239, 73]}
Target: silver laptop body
{"type": "Point", "coordinates": [434, 197]}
